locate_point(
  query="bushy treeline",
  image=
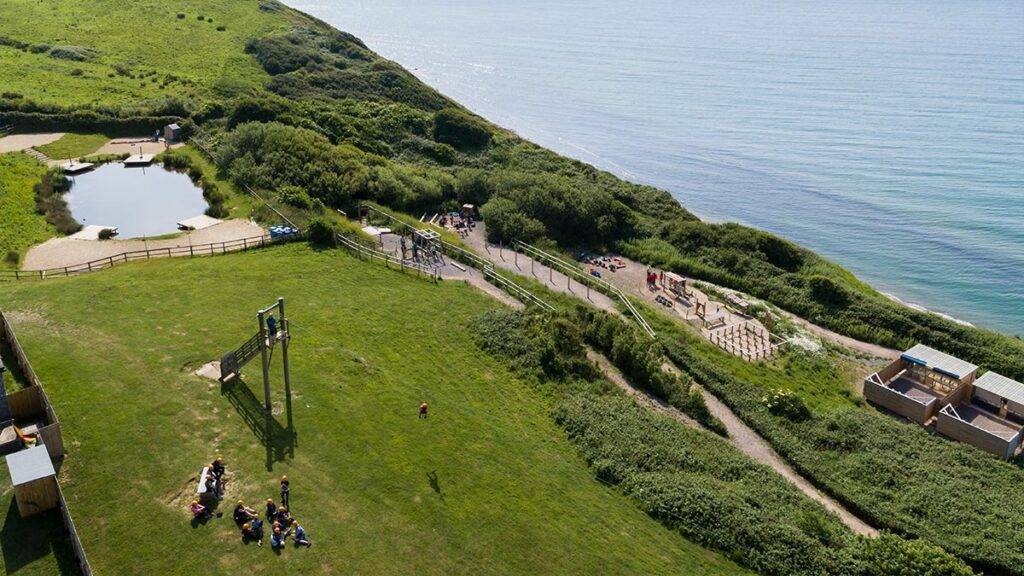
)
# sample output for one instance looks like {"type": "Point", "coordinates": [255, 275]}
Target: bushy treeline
{"type": "Point", "coordinates": [895, 476]}
{"type": "Point", "coordinates": [690, 480]}
{"type": "Point", "coordinates": [50, 203]}
{"type": "Point", "coordinates": [642, 361]}
{"type": "Point", "coordinates": [25, 115]}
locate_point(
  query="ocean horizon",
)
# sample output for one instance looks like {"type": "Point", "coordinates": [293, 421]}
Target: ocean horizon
{"type": "Point", "coordinates": [888, 137]}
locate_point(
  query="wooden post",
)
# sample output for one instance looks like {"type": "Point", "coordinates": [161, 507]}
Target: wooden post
{"type": "Point", "coordinates": [284, 348]}
{"type": "Point", "coordinates": [266, 361]}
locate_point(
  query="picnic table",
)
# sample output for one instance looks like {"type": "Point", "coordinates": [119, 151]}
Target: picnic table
{"type": "Point", "coordinates": [201, 491]}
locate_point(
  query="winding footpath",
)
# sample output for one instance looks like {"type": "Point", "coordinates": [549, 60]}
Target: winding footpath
{"type": "Point", "coordinates": [740, 435]}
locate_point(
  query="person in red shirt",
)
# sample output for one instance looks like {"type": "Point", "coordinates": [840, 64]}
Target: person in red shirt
{"type": "Point", "coordinates": [423, 410]}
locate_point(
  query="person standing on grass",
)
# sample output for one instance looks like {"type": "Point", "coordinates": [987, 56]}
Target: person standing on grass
{"type": "Point", "coordinates": [285, 492]}
{"type": "Point", "coordinates": [300, 534]}
{"type": "Point", "coordinates": [423, 410]}
{"type": "Point", "coordinates": [271, 510]}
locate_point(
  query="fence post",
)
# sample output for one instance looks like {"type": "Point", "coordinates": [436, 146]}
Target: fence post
{"type": "Point", "coordinates": [89, 263]}
{"type": "Point", "coordinates": [111, 261]}
{"type": "Point", "coordinates": [191, 252]}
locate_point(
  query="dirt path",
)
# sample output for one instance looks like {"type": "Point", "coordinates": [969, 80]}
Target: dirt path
{"type": "Point", "coordinates": [851, 343]}
{"type": "Point", "coordinates": [748, 441]}
{"type": "Point", "coordinates": [60, 252]}
{"type": "Point", "coordinates": [642, 397]}
{"type": "Point", "coordinates": [741, 435]}
{"type": "Point", "coordinates": [19, 142]}
{"type": "Point", "coordinates": [528, 267]}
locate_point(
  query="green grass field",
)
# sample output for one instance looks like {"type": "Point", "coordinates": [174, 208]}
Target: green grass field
{"type": "Point", "coordinates": [74, 146]}
{"type": "Point", "coordinates": [166, 55]}
{"type": "Point", "coordinates": [20, 226]}
{"type": "Point", "coordinates": [487, 485]}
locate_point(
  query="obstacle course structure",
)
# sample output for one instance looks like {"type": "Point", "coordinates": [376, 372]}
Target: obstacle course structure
{"type": "Point", "coordinates": [271, 332]}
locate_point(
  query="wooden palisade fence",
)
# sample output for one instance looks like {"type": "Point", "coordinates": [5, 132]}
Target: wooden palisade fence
{"type": "Point", "coordinates": [33, 398]}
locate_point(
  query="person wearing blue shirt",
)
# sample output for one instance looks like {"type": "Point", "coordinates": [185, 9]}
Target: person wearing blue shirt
{"type": "Point", "coordinates": [300, 534]}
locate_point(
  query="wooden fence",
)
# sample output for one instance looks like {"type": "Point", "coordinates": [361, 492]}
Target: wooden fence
{"type": "Point", "coordinates": [33, 400]}
{"type": "Point", "coordinates": [191, 250]}
{"type": "Point", "coordinates": [466, 257]}
{"type": "Point", "coordinates": [387, 258]}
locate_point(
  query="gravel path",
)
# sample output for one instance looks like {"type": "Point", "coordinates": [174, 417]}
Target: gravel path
{"type": "Point", "coordinates": [60, 252]}
{"type": "Point", "coordinates": [526, 266]}
{"type": "Point", "coordinates": [642, 397]}
{"type": "Point", "coordinates": [744, 438]}
{"type": "Point", "coordinates": [19, 142]}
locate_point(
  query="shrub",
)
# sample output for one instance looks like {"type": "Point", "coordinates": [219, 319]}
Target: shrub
{"type": "Point", "coordinates": [295, 196]}
{"type": "Point", "coordinates": [181, 15]}
{"type": "Point", "coordinates": [460, 129]}
{"type": "Point", "coordinates": [12, 95]}
{"type": "Point", "coordinates": [106, 234]}
{"type": "Point", "coordinates": [890, 555]}
{"type": "Point", "coordinates": [787, 405]}
{"type": "Point", "coordinates": [12, 257]}
{"type": "Point", "coordinates": [322, 232]}
{"type": "Point", "coordinates": [221, 28]}
{"type": "Point", "coordinates": [75, 53]}
{"type": "Point", "coordinates": [51, 204]}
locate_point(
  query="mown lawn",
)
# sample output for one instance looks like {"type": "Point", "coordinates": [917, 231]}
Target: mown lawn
{"type": "Point", "coordinates": [74, 146]}
{"type": "Point", "coordinates": [142, 49]}
{"type": "Point", "coordinates": [487, 485]}
{"type": "Point", "coordinates": [20, 226]}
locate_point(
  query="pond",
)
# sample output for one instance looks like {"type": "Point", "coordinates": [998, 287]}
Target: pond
{"type": "Point", "coordinates": [137, 201]}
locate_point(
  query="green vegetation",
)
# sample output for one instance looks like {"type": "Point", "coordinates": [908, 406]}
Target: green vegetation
{"type": "Point", "coordinates": [692, 481]}
{"type": "Point", "coordinates": [74, 146]}
{"type": "Point", "coordinates": [22, 226]}
{"type": "Point", "coordinates": [50, 203]}
{"type": "Point", "coordinates": [894, 475]}
{"type": "Point", "coordinates": [488, 484]}
{"type": "Point", "coordinates": [129, 52]}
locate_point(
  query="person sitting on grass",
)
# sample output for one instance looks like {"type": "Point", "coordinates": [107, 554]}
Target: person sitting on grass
{"type": "Point", "coordinates": [243, 513]}
{"type": "Point", "coordinates": [277, 538]}
{"type": "Point", "coordinates": [271, 510]}
{"type": "Point", "coordinates": [199, 511]}
{"type": "Point", "coordinates": [218, 468]}
{"type": "Point", "coordinates": [283, 516]}
{"type": "Point", "coordinates": [300, 534]}
{"type": "Point", "coordinates": [253, 531]}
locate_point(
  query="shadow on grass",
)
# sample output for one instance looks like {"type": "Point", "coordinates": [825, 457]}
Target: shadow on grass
{"type": "Point", "coordinates": [26, 540]}
{"type": "Point", "coordinates": [280, 441]}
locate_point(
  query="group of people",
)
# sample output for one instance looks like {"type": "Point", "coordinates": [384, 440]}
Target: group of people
{"type": "Point", "coordinates": [214, 483]}
{"type": "Point", "coordinates": [282, 524]}
{"type": "Point", "coordinates": [611, 263]}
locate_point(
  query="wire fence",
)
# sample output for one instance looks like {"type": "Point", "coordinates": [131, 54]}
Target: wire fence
{"type": "Point", "coordinates": [191, 250]}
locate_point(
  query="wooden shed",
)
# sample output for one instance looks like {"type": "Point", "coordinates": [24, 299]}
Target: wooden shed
{"type": "Point", "coordinates": [34, 481]}
{"type": "Point", "coordinates": [172, 133]}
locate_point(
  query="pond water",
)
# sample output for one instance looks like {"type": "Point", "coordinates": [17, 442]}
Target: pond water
{"type": "Point", "coordinates": [138, 201]}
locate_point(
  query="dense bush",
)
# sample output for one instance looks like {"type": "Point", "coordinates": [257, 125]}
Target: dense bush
{"type": "Point", "coordinates": [12, 257]}
{"type": "Point", "coordinates": [49, 195]}
{"type": "Point", "coordinates": [322, 232]}
{"type": "Point", "coordinates": [75, 53]}
{"type": "Point", "coordinates": [460, 129]}
{"type": "Point", "coordinates": [890, 555]}
{"type": "Point", "coordinates": [641, 360]}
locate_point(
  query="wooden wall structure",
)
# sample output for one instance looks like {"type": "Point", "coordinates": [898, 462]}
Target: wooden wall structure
{"type": "Point", "coordinates": [31, 401]}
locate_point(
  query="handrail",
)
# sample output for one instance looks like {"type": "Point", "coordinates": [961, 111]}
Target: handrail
{"type": "Point", "coordinates": [583, 277]}
{"type": "Point", "coordinates": [190, 250]}
{"type": "Point", "coordinates": [385, 256]}
{"type": "Point", "coordinates": [485, 266]}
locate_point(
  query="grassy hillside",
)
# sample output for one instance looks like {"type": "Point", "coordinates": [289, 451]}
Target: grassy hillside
{"type": "Point", "coordinates": [74, 145]}
{"type": "Point", "coordinates": [113, 52]}
{"type": "Point", "coordinates": [487, 485]}
{"type": "Point", "coordinates": [22, 227]}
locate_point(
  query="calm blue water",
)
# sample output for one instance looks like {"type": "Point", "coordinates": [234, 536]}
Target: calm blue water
{"type": "Point", "coordinates": [137, 201]}
{"type": "Point", "coordinates": [888, 136]}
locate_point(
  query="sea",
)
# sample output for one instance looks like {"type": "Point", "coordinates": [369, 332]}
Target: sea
{"type": "Point", "coordinates": [886, 135]}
